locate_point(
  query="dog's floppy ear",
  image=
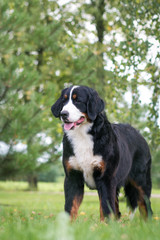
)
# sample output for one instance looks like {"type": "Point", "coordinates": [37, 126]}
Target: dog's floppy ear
{"type": "Point", "coordinates": [95, 105]}
{"type": "Point", "coordinates": [57, 107]}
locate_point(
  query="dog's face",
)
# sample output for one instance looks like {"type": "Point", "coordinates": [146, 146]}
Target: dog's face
{"type": "Point", "coordinates": [77, 105]}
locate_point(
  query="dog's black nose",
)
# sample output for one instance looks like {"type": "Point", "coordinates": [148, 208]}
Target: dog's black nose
{"type": "Point", "coordinates": [64, 115]}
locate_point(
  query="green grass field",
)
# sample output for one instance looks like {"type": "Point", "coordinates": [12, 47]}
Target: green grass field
{"type": "Point", "coordinates": [39, 215]}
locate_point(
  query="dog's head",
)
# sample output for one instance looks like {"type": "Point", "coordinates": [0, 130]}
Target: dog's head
{"type": "Point", "coordinates": [77, 105]}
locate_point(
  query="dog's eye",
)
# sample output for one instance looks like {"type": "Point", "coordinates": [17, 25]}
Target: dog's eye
{"type": "Point", "coordinates": [75, 98]}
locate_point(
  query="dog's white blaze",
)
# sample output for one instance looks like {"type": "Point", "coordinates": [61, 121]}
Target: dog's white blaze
{"type": "Point", "coordinates": [74, 113]}
{"type": "Point", "coordinates": [84, 160]}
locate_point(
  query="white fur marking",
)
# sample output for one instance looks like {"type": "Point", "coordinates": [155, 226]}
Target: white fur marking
{"type": "Point", "coordinates": [74, 113]}
{"type": "Point", "coordinates": [84, 160]}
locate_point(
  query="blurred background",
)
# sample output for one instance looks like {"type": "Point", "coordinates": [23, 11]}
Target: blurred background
{"type": "Point", "coordinates": [46, 45]}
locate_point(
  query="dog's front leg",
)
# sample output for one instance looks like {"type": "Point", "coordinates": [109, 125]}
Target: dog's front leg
{"type": "Point", "coordinates": [107, 194]}
{"type": "Point", "coordinates": [74, 190]}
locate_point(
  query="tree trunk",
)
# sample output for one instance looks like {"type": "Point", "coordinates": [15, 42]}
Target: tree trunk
{"type": "Point", "coordinates": [99, 7]}
{"type": "Point", "coordinates": [33, 182]}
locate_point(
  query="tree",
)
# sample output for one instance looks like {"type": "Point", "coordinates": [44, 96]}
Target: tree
{"type": "Point", "coordinates": [29, 57]}
{"type": "Point", "coordinates": [131, 26]}
{"type": "Point", "coordinates": [138, 21]}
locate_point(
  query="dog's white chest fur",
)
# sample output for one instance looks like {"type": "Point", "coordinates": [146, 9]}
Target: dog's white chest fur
{"type": "Point", "coordinates": [84, 160]}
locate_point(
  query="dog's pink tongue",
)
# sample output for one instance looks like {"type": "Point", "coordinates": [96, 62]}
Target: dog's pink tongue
{"type": "Point", "coordinates": [68, 126]}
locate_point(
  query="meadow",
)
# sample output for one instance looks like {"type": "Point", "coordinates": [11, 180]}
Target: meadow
{"type": "Point", "coordinates": [37, 215]}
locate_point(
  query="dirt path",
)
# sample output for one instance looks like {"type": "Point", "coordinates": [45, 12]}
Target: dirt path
{"type": "Point", "coordinates": [153, 195]}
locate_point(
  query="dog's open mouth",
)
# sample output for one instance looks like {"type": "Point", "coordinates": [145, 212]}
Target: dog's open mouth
{"type": "Point", "coordinates": [71, 125]}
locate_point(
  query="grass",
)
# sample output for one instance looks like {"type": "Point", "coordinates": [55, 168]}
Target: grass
{"type": "Point", "coordinates": [23, 186]}
{"type": "Point", "coordinates": [39, 215]}
{"type": "Point", "coordinates": [42, 186]}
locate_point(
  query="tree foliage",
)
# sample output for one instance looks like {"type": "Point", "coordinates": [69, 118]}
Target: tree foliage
{"type": "Point", "coordinates": [28, 77]}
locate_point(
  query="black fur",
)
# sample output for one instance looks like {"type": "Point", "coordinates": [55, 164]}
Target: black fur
{"type": "Point", "coordinates": [126, 156]}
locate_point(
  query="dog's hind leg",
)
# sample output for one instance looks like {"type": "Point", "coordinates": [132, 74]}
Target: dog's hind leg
{"type": "Point", "coordinates": [131, 195]}
{"type": "Point", "coordinates": [74, 190]}
{"type": "Point", "coordinates": [136, 197]}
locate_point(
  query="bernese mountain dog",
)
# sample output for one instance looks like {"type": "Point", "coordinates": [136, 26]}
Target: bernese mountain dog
{"type": "Point", "coordinates": [102, 155]}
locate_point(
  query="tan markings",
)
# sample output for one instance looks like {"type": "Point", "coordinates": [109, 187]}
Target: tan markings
{"type": "Point", "coordinates": [142, 209]}
{"type": "Point", "coordinates": [141, 201]}
{"type": "Point", "coordinates": [74, 96]}
{"type": "Point", "coordinates": [88, 120]}
{"type": "Point", "coordinates": [101, 167]}
{"type": "Point", "coordinates": [65, 96]}
{"type": "Point", "coordinates": [140, 190]}
{"type": "Point", "coordinates": [101, 212]}
{"type": "Point", "coordinates": [68, 166]}
{"type": "Point", "coordinates": [75, 206]}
